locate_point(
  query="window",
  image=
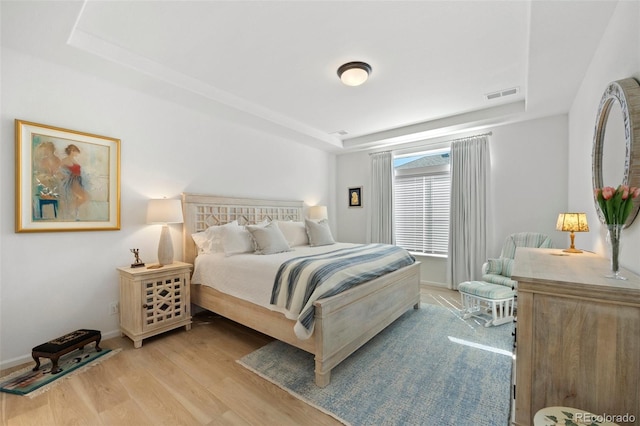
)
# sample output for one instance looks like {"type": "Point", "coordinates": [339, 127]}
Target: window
{"type": "Point", "coordinates": [422, 188]}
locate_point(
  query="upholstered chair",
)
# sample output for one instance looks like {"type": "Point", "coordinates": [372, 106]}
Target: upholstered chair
{"type": "Point", "coordinates": [498, 271]}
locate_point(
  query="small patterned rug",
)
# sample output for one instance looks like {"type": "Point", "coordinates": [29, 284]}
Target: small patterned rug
{"type": "Point", "coordinates": [430, 367]}
{"type": "Point", "coordinates": [33, 383]}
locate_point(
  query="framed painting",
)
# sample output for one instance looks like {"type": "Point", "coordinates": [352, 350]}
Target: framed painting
{"type": "Point", "coordinates": [355, 197]}
{"type": "Point", "coordinates": [66, 180]}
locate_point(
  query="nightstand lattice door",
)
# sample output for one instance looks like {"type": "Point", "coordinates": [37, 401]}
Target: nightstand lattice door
{"type": "Point", "coordinates": [163, 301]}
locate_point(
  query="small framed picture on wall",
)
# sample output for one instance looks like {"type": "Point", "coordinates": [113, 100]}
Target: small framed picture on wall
{"type": "Point", "coordinates": [355, 196]}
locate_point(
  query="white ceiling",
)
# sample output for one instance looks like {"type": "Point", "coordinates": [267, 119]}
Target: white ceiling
{"type": "Point", "coordinates": [272, 65]}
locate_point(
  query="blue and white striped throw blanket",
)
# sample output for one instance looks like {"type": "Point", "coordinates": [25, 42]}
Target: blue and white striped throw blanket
{"type": "Point", "coordinates": [302, 280]}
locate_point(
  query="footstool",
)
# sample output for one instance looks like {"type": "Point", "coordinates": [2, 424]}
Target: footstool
{"type": "Point", "coordinates": [55, 348]}
{"type": "Point", "coordinates": [481, 299]}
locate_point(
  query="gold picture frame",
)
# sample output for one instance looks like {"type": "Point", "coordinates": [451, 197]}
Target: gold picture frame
{"type": "Point", "coordinates": [66, 180]}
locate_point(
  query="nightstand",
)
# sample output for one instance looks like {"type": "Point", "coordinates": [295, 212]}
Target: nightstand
{"type": "Point", "coordinates": [153, 301]}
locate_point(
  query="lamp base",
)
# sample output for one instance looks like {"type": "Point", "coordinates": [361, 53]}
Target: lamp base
{"type": "Point", "coordinates": [165, 247]}
{"type": "Point", "coordinates": [572, 250]}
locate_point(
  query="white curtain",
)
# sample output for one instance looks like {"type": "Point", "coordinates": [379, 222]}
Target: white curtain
{"type": "Point", "coordinates": [381, 216]}
{"type": "Point", "coordinates": [469, 195]}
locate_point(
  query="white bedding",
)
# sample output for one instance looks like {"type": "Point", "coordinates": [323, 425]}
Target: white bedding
{"type": "Point", "coordinates": [250, 276]}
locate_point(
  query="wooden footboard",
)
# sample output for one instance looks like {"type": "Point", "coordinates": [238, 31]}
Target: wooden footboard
{"type": "Point", "coordinates": [347, 321]}
{"type": "Point", "coordinates": [344, 322]}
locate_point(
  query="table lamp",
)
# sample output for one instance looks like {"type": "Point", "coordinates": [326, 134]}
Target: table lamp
{"type": "Point", "coordinates": [318, 212]}
{"type": "Point", "coordinates": [572, 222]}
{"type": "Point", "coordinates": [164, 211]}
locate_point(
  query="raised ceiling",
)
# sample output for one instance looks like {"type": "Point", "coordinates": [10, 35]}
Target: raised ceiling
{"type": "Point", "coordinates": [272, 65]}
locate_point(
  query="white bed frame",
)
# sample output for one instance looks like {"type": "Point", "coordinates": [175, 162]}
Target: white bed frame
{"type": "Point", "coordinates": [343, 322]}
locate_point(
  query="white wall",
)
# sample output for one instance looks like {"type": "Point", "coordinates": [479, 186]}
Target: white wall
{"type": "Point", "coordinates": [617, 57]}
{"type": "Point", "coordinates": [528, 175]}
{"type": "Point", "coordinates": [53, 283]}
{"type": "Point", "coordinates": [528, 183]}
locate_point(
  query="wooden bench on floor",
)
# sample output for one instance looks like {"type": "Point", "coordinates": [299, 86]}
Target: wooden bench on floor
{"type": "Point", "coordinates": [55, 348]}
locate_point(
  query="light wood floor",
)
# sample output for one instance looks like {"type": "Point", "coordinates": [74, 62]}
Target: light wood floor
{"type": "Point", "coordinates": [178, 378]}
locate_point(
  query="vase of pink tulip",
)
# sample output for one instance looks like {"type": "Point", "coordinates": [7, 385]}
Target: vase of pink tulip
{"type": "Point", "coordinates": [613, 238]}
{"type": "Point", "coordinates": [616, 205]}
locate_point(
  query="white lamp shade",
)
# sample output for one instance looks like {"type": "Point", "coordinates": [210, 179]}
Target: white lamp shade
{"type": "Point", "coordinates": [318, 212]}
{"type": "Point", "coordinates": [164, 211]}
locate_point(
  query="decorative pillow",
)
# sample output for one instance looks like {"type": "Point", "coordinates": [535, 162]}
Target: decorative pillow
{"type": "Point", "coordinates": [210, 240]}
{"type": "Point", "coordinates": [495, 266]}
{"type": "Point", "coordinates": [319, 232]}
{"type": "Point", "coordinates": [202, 242]}
{"type": "Point", "coordinates": [294, 232]}
{"type": "Point", "coordinates": [507, 266]}
{"type": "Point", "coordinates": [236, 240]}
{"type": "Point", "coordinates": [268, 239]}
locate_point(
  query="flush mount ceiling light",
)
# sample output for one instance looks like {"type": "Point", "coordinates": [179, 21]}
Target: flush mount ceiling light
{"type": "Point", "coordinates": [354, 73]}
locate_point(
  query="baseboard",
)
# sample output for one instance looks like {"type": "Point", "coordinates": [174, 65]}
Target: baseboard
{"type": "Point", "coordinates": [433, 284]}
{"type": "Point", "coordinates": [25, 359]}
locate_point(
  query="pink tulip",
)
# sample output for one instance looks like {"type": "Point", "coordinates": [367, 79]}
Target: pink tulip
{"type": "Point", "coordinates": [608, 192]}
{"type": "Point", "coordinates": [635, 192]}
{"type": "Point", "coordinates": [625, 192]}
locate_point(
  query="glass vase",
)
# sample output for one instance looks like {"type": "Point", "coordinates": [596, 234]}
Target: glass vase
{"type": "Point", "coordinates": [613, 238]}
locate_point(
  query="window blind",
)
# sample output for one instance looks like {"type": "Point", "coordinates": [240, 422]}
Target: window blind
{"type": "Point", "coordinates": [422, 212]}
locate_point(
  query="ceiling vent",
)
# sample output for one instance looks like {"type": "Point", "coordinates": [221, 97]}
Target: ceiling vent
{"type": "Point", "coordinates": [501, 93]}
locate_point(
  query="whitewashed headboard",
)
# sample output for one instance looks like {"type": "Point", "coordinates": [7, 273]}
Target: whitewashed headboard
{"type": "Point", "coordinates": [202, 211]}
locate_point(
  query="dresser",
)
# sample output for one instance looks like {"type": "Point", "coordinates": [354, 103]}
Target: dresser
{"type": "Point", "coordinates": [578, 335]}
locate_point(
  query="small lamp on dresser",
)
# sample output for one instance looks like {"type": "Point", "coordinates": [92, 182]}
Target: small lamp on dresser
{"type": "Point", "coordinates": [164, 211]}
{"type": "Point", "coordinates": [572, 222]}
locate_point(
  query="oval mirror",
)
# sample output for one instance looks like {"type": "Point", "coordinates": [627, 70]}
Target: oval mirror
{"type": "Point", "coordinates": [616, 153]}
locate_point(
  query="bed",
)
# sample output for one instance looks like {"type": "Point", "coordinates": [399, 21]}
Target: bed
{"type": "Point", "coordinates": [343, 322]}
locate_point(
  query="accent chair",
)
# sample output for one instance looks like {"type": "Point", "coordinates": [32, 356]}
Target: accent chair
{"type": "Point", "coordinates": [498, 271]}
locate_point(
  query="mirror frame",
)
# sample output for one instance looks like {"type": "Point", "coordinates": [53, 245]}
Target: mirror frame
{"type": "Point", "coordinates": [627, 93]}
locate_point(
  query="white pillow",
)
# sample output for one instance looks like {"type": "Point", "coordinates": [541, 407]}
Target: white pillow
{"type": "Point", "coordinates": [202, 242]}
{"type": "Point", "coordinates": [236, 240]}
{"type": "Point", "coordinates": [268, 239]}
{"type": "Point", "coordinates": [318, 232]}
{"type": "Point", "coordinates": [210, 240]}
{"type": "Point", "coordinates": [294, 232]}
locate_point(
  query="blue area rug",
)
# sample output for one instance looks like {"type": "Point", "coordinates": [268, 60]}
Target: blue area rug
{"type": "Point", "coordinates": [430, 367]}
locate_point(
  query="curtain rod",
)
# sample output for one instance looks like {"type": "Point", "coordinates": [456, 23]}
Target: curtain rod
{"type": "Point", "coordinates": [440, 139]}
{"type": "Point", "coordinates": [471, 137]}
